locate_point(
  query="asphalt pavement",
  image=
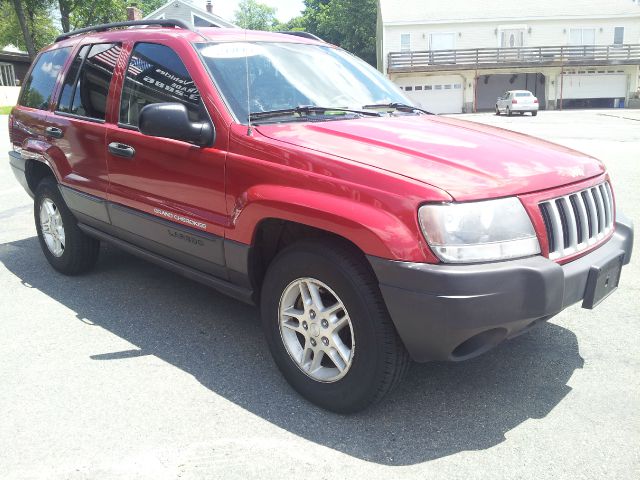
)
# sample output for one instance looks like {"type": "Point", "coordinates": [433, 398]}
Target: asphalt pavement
{"type": "Point", "coordinates": [133, 372]}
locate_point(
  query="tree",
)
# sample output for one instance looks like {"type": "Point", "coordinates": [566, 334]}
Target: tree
{"type": "Point", "coordinates": [350, 24]}
{"type": "Point", "coordinates": [26, 33]}
{"type": "Point", "coordinates": [81, 13]}
{"type": "Point", "coordinates": [313, 14]}
{"type": "Point", "coordinates": [255, 16]}
{"type": "Point", "coordinates": [85, 14]}
{"type": "Point", "coordinates": [35, 28]}
{"type": "Point", "coordinates": [148, 6]}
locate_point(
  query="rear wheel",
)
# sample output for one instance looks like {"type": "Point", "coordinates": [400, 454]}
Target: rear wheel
{"type": "Point", "coordinates": [327, 326]}
{"type": "Point", "coordinates": [65, 246]}
{"type": "Point", "coordinates": [509, 112]}
{"type": "Point", "coordinates": [497, 110]}
{"type": "Point", "coordinates": [533, 114]}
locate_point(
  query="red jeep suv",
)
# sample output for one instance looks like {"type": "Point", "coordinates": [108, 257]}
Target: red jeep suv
{"type": "Point", "coordinates": [289, 174]}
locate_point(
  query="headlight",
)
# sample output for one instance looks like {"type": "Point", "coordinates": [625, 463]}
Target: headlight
{"type": "Point", "coordinates": [479, 231]}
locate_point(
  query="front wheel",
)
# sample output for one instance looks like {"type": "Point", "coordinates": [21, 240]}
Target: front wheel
{"type": "Point", "coordinates": [328, 328]}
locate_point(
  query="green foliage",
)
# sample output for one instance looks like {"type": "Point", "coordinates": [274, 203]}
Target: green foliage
{"type": "Point", "coordinates": [350, 24]}
{"type": "Point", "coordinates": [255, 16]}
{"type": "Point", "coordinates": [296, 24]}
{"type": "Point", "coordinates": [85, 14]}
{"type": "Point", "coordinates": [38, 18]}
{"type": "Point", "coordinates": [148, 6]}
{"type": "Point", "coordinates": [73, 14]}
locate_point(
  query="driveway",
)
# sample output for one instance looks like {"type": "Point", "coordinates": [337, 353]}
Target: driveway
{"type": "Point", "coordinates": [134, 372]}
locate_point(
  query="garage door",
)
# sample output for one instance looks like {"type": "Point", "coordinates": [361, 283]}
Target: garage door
{"type": "Point", "coordinates": [603, 85]}
{"type": "Point", "coordinates": [437, 94]}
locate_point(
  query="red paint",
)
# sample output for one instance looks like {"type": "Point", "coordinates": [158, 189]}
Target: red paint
{"type": "Point", "coordinates": [362, 179]}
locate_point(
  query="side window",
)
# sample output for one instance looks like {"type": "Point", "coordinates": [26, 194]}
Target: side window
{"type": "Point", "coordinates": [155, 75]}
{"type": "Point", "coordinates": [64, 103]}
{"type": "Point", "coordinates": [38, 88]}
{"type": "Point", "coordinates": [86, 87]}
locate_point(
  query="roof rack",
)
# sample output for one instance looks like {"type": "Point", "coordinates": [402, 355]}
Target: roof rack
{"type": "Point", "coordinates": [303, 35]}
{"type": "Point", "coordinates": [130, 23]}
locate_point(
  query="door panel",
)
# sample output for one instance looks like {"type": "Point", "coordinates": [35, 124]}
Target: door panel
{"type": "Point", "coordinates": [168, 195]}
{"type": "Point", "coordinates": [79, 118]}
{"type": "Point", "coordinates": [81, 145]}
{"type": "Point", "coordinates": [168, 177]}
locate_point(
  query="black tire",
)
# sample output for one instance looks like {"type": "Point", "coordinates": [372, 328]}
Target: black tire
{"type": "Point", "coordinates": [509, 112]}
{"type": "Point", "coordinates": [533, 114]}
{"type": "Point", "coordinates": [80, 251]}
{"type": "Point", "coordinates": [379, 360]}
{"type": "Point", "coordinates": [497, 111]}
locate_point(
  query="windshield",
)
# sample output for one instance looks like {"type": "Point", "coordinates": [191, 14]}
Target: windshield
{"type": "Point", "coordinates": [288, 75]}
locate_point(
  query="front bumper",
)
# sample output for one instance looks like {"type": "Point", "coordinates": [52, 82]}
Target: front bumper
{"type": "Point", "coordinates": [456, 312]}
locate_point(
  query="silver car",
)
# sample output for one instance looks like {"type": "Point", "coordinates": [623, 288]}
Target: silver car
{"type": "Point", "coordinates": [519, 101]}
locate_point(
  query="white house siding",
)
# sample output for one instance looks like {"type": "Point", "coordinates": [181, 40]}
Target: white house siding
{"type": "Point", "coordinates": [487, 34]}
{"type": "Point", "coordinates": [479, 25]}
{"type": "Point", "coordinates": [180, 10]}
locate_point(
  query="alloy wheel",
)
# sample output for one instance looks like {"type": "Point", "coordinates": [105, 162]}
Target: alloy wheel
{"type": "Point", "coordinates": [316, 330]}
{"type": "Point", "coordinates": [52, 227]}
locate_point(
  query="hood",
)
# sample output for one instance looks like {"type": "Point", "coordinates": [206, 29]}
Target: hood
{"type": "Point", "coordinates": [468, 160]}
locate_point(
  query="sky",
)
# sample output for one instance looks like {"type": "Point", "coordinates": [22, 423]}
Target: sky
{"type": "Point", "coordinates": [286, 9]}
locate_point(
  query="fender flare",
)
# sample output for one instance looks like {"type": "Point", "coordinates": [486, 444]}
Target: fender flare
{"type": "Point", "coordinates": [44, 152]}
{"type": "Point", "coordinates": [373, 230]}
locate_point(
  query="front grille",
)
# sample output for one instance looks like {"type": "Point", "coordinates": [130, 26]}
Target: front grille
{"type": "Point", "coordinates": [578, 220]}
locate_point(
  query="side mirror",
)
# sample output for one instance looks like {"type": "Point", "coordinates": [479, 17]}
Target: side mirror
{"type": "Point", "coordinates": [171, 120]}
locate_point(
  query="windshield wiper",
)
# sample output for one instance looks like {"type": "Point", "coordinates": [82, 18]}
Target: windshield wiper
{"type": "Point", "coordinates": [401, 107]}
{"type": "Point", "coordinates": [306, 110]}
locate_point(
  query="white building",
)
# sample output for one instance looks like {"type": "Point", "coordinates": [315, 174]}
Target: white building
{"type": "Point", "coordinates": [186, 11]}
{"type": "Point", "coordinates": [460, 55]}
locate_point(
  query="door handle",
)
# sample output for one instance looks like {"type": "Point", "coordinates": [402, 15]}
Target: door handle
{"type": "Point", "coordinates": [121, 150]}
{"type": "Point", "coordinates": [54, 132]}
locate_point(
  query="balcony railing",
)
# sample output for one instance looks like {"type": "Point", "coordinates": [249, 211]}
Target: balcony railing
{"type": "Point", "coordinates": [477, 58]}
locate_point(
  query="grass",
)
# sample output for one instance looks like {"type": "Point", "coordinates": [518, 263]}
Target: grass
{"type": "Point", "coordinates": [5, 110]}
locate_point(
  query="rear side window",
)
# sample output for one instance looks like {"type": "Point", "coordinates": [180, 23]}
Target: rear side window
{"type": "Point", "coordinates": [86, 86]}
{"type": "Point", "coordinates": [156, 74]}
{"type": "Point", "coordinates": [38, 88]}
{"type": "Point", "coordinates": [64, 104]}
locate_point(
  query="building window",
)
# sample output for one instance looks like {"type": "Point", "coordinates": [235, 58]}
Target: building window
{"type": "Point", "coordinates": [582, 36]}
{"type": "Point", "coordinates": [443, 41]}
{"type": "Point", "coordinates": [618, 35]}
{"type": "Point", "coordinates": [405, 42]}
{"type": "Point", "coordinates": [7, 75]}
{"type": "Point", "coordinates": [512, 38]}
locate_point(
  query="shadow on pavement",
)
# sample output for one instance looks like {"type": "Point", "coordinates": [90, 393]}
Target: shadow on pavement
{"type": "Point", "coordinates": [440, 409]}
